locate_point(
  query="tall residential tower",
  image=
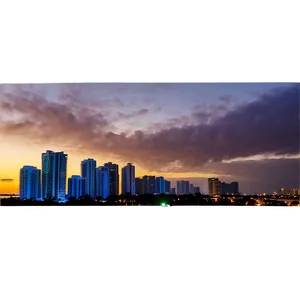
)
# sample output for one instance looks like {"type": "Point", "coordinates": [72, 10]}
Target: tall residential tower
{"type": "Point", "coordinates": [88, 171]}
{"type": "Point", "coordinates": [30, 183]}
{"type": "Point", "coordinates": [113, 178]}
{"type": "Point", "coordinates": [128, 179]}
{"type": "Point", "coordinates": [54, 175]}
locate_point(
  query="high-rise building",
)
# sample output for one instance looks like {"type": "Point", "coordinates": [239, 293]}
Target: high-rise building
{"type": "Point", "coordinates": [173, 191]}
{"type": "Point", "coordinates": [30, 183]}
{"type": "Point", "coordinates": [229, 188]}
{"type": "Point", "coordinates": [128, 179]}
{"type": "Point", "coordinates": [282, 192]}
{"type": "Point", "coordinates": [102, 182]}
{"type": "Point", "coordinates": [76, 186]}
{"type": "Point", "coordinates": [54, 174]}
{"type": "Point", "coordinates": [113, 178]}
{"type": "Point", "coordinates": [160, 185]}
{"type": "Point", "coordinates": [196, 189]}
{"type": "Point", "coordinates": [167, 186]}
{"type": "Point", "coordinates": [139, 186]}
{"type": "Point", "coordinates": [191, 188]}
{"type": "Point", "coordinates": [88, 171]}
{"type": "Point", "coordinates": [186, 187]}
{"type": "Point", "coordinates": [214, 186]}
{"type": "Point", "coordinates": [234, 187]}
{"type": "Point", "coordinates": [183, 187]}
{"type": "Point", "coordinates": [178, 188]}
{"type": "Point", "coordinates": [149, 184]}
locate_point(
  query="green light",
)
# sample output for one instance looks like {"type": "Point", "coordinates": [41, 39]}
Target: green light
{"type": "Point", "coordinates": [163, 204]}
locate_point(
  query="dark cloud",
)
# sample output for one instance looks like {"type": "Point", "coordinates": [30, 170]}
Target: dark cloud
{"type": "Point", "coordinates": [138, 113]}
{"type": "Point", "coordinates": [6, 180]}
{"type": "Point", "coordinates": [268, 125]}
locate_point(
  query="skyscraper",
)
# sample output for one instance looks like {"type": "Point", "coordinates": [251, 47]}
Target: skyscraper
{"type": "Point", "coordinates": [183, 187]}
{"type": "Point", "coordinates": [191, 188]}
{"type": "Point", "coordinates": [54, 174]}
{"type": "Point", "coordinates": [186, 187]}
{"type": "Point", "coordinates": [234, 187]}
{"type": "Point", "coordinates": [229, 188]}
{"type": "Point", "coordinates": [167, 186]}
{"type": "Point", "coordinates": [160, 185]}
{"type": "Point", "coordinates": [139, 186]}
{"type": "Point", "coordinates": [148, 184]}
{"type": "Point", "coordinates": [30, 183]}
{"type": "Point", "coordinates": [113, 178]}
{"type": "Point", "coordinates": [76, 186]}
{"type": "Point", "coordinates": [128, 179]}
{"type": "Point", "coordinates": [102, 182]}
{"type": "Point", "coordinates": [88, 171]}
{"type": "Point", "coordinates": [196, 189]}
{"type": "Point", "coordinates": [214, 186]}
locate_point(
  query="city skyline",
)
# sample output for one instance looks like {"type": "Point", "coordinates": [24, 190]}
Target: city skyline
{"type": "Point", "coordinates": [238, 132]}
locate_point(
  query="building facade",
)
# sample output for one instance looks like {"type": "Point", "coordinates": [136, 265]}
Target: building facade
{"type": "Point", "coordinates": [229, 188]}
{"type": "Point", "coordinates": [167, 186]}
{"type": "Point", "coordinates": [113, 178]}
{"type": "Point", "coordinates": [149, 184]}
{"type": "Point", "coordinates": [196, 190]}
{"type": "Point", "coordinates": [160, 185]}
{"type": "Point", "coordinates": [30, 183]}
{"type": "Point", "coordinates": [102, 182]}
{"type": "Point", "coordinates": [128, 179]}
{"type": "Point", "coordinates": [191, 188]}
{"type": "Point", "coordinates": [183, 187]}
{"type": "Point", "coordinates": [54, 175]}
{"type": "Point", "coordinates": [76, 186]}
{"type": "Point", "coordinates": [88, 171]}
{"type": "Point", "coordinates": [139, 186]}
{"type": "Point", "coordinates": [214, 186]}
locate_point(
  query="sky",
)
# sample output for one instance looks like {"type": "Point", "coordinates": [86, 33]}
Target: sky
{"type": "Point", "coordinates": [245, 132]}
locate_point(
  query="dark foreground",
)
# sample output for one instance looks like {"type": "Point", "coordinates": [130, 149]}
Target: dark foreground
{"type": "Point", "coordinates": [98, 212]}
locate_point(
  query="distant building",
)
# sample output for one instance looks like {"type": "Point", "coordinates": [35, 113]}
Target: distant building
{"type": "Point", "coordinates": [149, 184]}
{"type": "Point", "coordinates": [213, 186]}
{"type": "Point", "coordinates": [102, 182]}
{"type": "Point", "coordinates": [88, 171]}
{"type": "Point", "coordinates": [295, 192]}
{"type": "Point", "coordinates": [128, 179]}
{"type": "Point", "coordinates": [191, 188]}
{"type": "Point", "coordinates": [183, 187]}
{"type": "Point", "coordinates": [76, 186]}
{"type": "Point", "coordinates": [54, 174]}
{"type": "Point", "coordinates": [113, 178]}
{"type": "Point", "coordinates": [186, 187]}
{"type": "Point", "coordinates": [167, 186]}
{"type": "Point", "coordinates": [139, 186]}
{"type": "Point", "coordinates": [160, 185]}
{"type": "Point", "coordinates": [173, 192]}
{"type": "Point", "coordinates": [30, 183]}
{"type": "Point", "coordinates": [229, 188]}
{"type": "Point", "coordinates": [196, 189]}
{"type": "Point", "coordinates": [282, 191]}
{"type": "Point", "coordinates": [234, 187]}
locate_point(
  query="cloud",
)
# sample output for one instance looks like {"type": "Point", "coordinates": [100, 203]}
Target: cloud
{"type": "Point", "coordinates": [268, 125]}
{"type": "Point", "coordinates": [134, 114]}
{"type": "Point", "coordinates": [6, 180]}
